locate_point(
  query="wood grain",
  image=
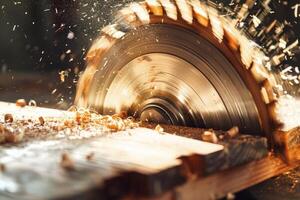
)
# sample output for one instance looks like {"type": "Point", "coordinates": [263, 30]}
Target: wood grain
{"type": "Point", "coordinates": [237, 150]}
{"type": "Point", "coordinates": [232, 180]}
{"type": "Point", "coordinates": [288, 144]}
{"type": "Point", "coordinates": [138, 162]}
{"type": "Point", "coordinates": [142, 160]}
{"type": "Point", "coordinates": [218, 185]}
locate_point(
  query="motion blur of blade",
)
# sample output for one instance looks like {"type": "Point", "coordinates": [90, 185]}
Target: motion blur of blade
{"type": "Point", "coordinates": [194, 63]}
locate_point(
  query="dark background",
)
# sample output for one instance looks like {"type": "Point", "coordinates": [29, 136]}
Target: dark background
{"type": "Point", "coordinates": [34, 34]}
{"type": "Point", "coordinates": [39, 39]}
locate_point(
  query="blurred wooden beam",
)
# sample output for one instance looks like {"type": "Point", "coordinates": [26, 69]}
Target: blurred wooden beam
{"type": "Point", "coordinates": [220, 184]}
{"type": "Point", "coordinates": [233, 180]}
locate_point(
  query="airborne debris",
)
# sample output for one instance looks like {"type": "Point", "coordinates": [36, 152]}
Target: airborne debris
{"type": "Point", "coordinates": [62, 75]}
{"type": "Point", "coordinates": [42, 121]}
{"type": "Point", "coordinates": [53, 91]}
{"type": "Point", "coordinates": [296, 9]}
{"type": "Point", "coordinates": [72, 108]}
{"type": "Point", "coordinates": [2, 134]}
{"type": "Point", "coordinates": [69, 123]}
{"type": "Point", "coordinates": [233, 132]}
{"type": "Point", "coordinates": [14, 135]}
{"type": "Point", "coordinates": [71, 35]}
{"type": "Point", "coordinates": [209, 136]}
{"type": "Point", "coordinates": [21, 103]}
{"type": "Point", "coordinates": [8, 118]}
{"type": "Point", "coordinates": [90, 156]}
{"type": "Point", "coordinates": [159, 129]}
{"type": "Point", "coordinates": [10, 134]}
{"type": "Point", "coordinates": [32, 103]}
{"type": "Point", "coordinates": [76, 124]}
{"type": "Point", "coordinates": [230, 196]}
{"type": "Point", "coordinates": [83, 116]}
{"type": "Point", "coordinates": [2, 167]}
{"type": "Point", "coordinates": [66, 162]}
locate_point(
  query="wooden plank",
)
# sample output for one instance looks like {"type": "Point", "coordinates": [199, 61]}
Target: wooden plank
{"type": "Point", "coordinates": [287, 135]}
{"type": "Point", "coordinates": [139, 161]}
{"type": "Point", "coordinates": [238, 150]}
{"type": "Point", "coordinates": [140, 158]}
{"type": "Point", "coordinates": [143, 158]}
{"type": "Point", "coordinates": [218, 185]}
{"type": "Point", "coordinates": [232, 180]}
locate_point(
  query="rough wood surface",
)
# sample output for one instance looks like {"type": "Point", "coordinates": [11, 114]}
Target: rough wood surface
{"type": "Point", "coordinates": [141, 158]}
{"type": "Point", "coordinates": [140, 162]}
{"type": "Point", "coordinates": [220, 184]}
{"type": "Point", "coordinates": [232, 180]}
{"type": "Point", "coordinates": [288, 143]}
{"type": "Point", "coordinates": [238, 150]}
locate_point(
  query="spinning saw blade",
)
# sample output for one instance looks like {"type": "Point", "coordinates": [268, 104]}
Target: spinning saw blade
{"type": "Point", "coordinates": [179, 63]}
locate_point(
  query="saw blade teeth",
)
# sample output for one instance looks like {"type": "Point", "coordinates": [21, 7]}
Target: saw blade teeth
{"type": "Point", "coordinates": [98, 47]}
{"type": "Point", "coordinates": [200, 12]}
{"type": "Point", "coordinates": [112, 31]}
{"type": "Point", "coordinates": [272, 79]}
{"type": "Point", "coordinates": [231, 35]}
{"type": "Point", "coordinates": [185, 11]}
{"type": "Point", "coordinates": [170, 9]}
{"type": "Point", "coordinates": [246, 51]}
{"type": "Point", "coordinates": [155, 7]}
{"type": "Point", "coordinates": [264, 95]}
{"type": "Point", "coordinates": [259, 72]}
{"type": "Point", "coordinates": [272, 109]}
{"type": "Point", "coordinates": [126, 15]}
{"type": "Point", "coordinates": [257, 69]}
{"type": "Point", "coordinates": [268, 92]}
{"type": "Point", "coordinates": [141, 12]}
{"type": "Point", "coordinates": [216, 24]}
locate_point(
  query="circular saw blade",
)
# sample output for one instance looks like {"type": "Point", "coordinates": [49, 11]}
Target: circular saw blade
{"type": "Point", "coordinates": [190, 68]}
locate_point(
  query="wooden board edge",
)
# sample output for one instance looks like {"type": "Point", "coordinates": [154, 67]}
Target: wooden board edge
{"type": "Point", "coordinates": [232, 180]}
{"type": "Point", "coordinates": [288, 144]}
{"type": "Point", "coordinates": [218, 185]}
